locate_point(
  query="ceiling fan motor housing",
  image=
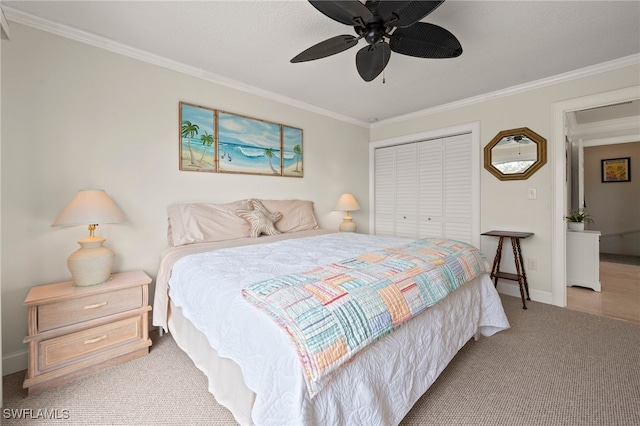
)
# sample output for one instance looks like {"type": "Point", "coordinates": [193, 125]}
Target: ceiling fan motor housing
{"type": "Point", "coordinates": [372, 33]}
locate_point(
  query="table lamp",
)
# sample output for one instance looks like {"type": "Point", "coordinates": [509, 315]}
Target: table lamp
{"type": "Point", "coordinates": [91, 263]}
{"type": "Point", "coordinates": [347, 203]}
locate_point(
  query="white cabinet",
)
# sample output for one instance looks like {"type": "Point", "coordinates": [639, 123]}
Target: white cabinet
{"type": "Point", "coordinates": [424, 189]}
{"type": "Point", "coordinates": [583, 259]}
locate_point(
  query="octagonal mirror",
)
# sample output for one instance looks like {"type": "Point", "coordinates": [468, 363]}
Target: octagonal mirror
{"type": "Point", "coordinates": [515, 154]}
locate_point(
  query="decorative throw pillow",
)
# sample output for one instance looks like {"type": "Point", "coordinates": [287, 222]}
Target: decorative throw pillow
{"type": "Point", "coordinates": [260, 219]}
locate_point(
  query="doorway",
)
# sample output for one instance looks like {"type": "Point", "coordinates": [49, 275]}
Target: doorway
{"type": "Point", "coordinates": [560, 188]}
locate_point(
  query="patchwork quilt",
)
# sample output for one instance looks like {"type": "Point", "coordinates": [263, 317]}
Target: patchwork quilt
{"type": "Point", "coordinates": [333, 311]}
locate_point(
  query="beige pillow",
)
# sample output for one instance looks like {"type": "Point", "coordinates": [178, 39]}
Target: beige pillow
{"type": "Point", "coordinates": [261, 220]}
{"type": "Point", "coordinates": [297, 215]}
{"type": "Point", "coordinates": [203, 222]}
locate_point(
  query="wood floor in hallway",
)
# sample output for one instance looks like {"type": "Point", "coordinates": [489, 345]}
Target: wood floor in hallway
{"type": "Point", "coordinates": [620, 295]}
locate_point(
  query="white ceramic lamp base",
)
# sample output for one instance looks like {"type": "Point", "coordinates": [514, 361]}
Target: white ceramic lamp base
{"type": "Point", "coordinates": [91, 263]}
{"type": "Point", "coordinates": [347, 225]}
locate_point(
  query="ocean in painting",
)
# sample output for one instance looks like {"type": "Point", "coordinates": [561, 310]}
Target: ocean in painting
{"type": "Point", "coordinates": [250, 159]}
{"type": "Point", "coordinates": [241, 158]}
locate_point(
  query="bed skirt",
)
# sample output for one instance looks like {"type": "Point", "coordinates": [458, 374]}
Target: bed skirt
{"type": "Point", "coordinates": [224, 376]}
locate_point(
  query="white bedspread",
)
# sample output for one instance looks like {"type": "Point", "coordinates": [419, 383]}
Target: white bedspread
{"type": "Point", "coordinates": [378, 387]}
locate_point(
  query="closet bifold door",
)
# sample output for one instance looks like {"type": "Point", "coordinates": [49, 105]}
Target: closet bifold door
{"type": "Point", "coordinates": [384, 184]}
{"type": "Point", "coordinates": [430, 189]}
{"type": "Point", "coordinates": [423, 189]}
{"type": "Point", "coordinates": [458, 209]}
{"type": "Point", "coordinates": [406, 190]}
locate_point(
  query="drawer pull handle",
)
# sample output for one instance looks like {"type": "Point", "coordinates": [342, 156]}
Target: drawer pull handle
{"type": "Point", "coordinates": [96, 305]}
{"type": "Point", "coordinates": [95, 340]}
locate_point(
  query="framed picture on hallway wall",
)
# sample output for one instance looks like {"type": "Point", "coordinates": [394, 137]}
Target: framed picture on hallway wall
{"type": "Point", "coordinates": [616, 170]}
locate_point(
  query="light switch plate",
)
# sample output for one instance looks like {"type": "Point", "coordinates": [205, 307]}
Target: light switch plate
{"type": "Point", "coordinates": [531, 194]}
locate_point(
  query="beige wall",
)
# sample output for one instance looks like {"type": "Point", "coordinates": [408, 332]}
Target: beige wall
{"type": "Point", "coordinates": [614, 206]}
{"type": "Point", "coordinates": [78, 117]}
{"type": "Point", "coordinates": [504, 204]}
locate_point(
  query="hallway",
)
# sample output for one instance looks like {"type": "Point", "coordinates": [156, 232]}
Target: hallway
{"type": "Point", "coordinates": [620, 296]}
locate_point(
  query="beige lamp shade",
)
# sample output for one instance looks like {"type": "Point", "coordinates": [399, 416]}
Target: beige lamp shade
{"type": "Point", "coordinates": [89, 207]}
{"type": "Point", "coordinates": [347, 203]}
{"type": "Point", "coordinates": [91, 263]}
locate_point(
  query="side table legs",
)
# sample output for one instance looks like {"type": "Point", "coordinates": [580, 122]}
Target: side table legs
{"type": "Point", "coordinates": [520, 274]}
{"type": "Point", "coordinates": [495, 270]}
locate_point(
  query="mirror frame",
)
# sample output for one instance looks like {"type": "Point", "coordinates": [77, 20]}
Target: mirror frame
{"type": "Point", "coordinates": [541, 144]}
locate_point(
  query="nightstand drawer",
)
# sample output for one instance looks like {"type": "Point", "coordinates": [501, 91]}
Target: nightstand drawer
{"type": "Point", "coordinates": [60, 351]}
{"type": "Point", "coordinates": [86, 308]}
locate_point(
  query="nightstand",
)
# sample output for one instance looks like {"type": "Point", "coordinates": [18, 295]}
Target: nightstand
{"type": "Point", "coordinates": [75, 331]}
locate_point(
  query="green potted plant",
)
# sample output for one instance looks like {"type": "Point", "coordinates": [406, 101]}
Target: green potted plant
{"type": "Point", "coordinates": [577, 219]}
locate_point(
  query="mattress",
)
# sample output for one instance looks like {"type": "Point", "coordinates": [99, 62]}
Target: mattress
{"type": "Point", "coordinates": [379, 386]}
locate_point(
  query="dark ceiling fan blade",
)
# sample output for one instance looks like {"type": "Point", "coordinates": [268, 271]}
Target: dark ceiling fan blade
{"type": "Point", "coordinates": [372, 59]}
{"type": "Point", "coordinates": [424, 40]}
{"type": "Point", "coordinates": [348, 12]}
{"type": "Point", "coordinates": [326, 48]}
{"type": "Point", "coordinates": [405, 13]}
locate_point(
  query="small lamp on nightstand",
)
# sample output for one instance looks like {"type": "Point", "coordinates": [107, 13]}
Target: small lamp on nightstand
{"type": "Point", "coordinates": [91, 263]}
{"type": "Point", "coordinates": [347, 203]}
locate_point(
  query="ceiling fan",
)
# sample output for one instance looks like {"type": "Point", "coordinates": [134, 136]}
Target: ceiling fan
{"type": "Point", "coordinates": [386, 25]}
{"type": "Point", "coordinates": [519, 139]}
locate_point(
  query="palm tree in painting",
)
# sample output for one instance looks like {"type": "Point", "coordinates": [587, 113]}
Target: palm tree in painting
{"type": "Point", "coordinates": [298, 152]}
{"type": "Point", "coordinates": [269, 153]}
{"type": "Point", "coordinates": [207, 141]}
{"type": "Point", "coordinates": [189, 130]}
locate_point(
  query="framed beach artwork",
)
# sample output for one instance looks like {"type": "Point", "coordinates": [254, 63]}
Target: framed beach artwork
{"type": "Point", "coordinates": [292, 161]}
{"type": "Point", "coordinates": [616, 169]}
{"type": "Point", "coordinates": [223, 142]}
{"type": "Point", "coordinates": [197, 138]}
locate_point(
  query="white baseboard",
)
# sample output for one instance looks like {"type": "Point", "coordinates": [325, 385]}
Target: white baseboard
{"type": "Point", "coordinates": [514, 290]}
{"type": "Point", "coordinates": [17, 361]}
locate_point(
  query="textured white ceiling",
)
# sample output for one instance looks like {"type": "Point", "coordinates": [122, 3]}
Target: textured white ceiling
{"type": "Point", "coordinates": [506, 43]}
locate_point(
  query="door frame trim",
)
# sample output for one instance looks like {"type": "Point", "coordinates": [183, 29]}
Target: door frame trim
{"type": "Point", "coordinates": [559, 190]}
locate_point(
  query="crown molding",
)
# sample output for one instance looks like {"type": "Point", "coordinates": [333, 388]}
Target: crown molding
{"type": "Point", "coordinates": [533, 85]}
{"type": "Point", "coordinates": [144, 56]}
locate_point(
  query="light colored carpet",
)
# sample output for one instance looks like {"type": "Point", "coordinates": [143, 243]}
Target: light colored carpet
{"type": "Point", "coordinates": [553, 367]}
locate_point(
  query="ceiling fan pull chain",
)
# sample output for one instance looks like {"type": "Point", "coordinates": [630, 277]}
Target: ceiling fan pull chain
{"type": "Point", "coordinates": [383, 69]}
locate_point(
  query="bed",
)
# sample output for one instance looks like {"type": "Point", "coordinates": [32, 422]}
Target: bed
{"type": "Point", "coordinates": [252, 367]}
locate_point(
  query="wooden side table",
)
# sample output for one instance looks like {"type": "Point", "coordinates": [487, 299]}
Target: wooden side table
{"type": "Point", "coordinates": [520, 276]}
{"type": "Point", "coordinates": [74, 331]}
